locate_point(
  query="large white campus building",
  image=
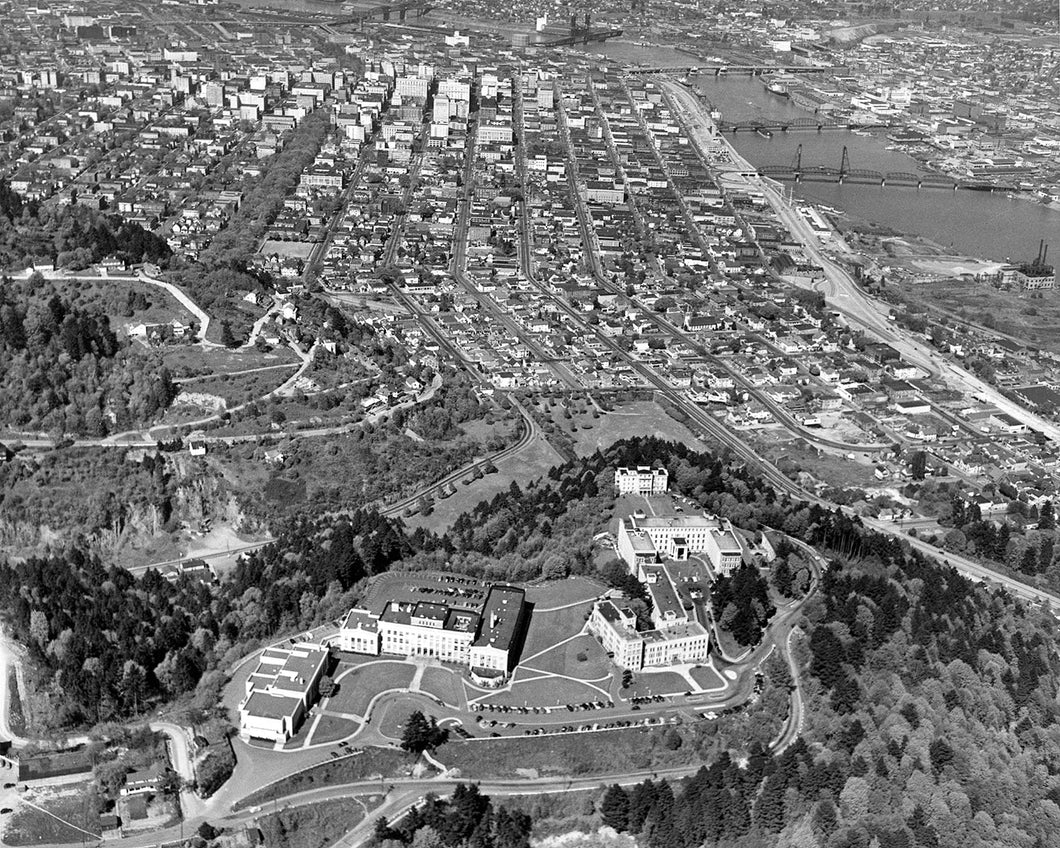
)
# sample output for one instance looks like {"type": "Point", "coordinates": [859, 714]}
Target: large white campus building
{"type": "Point", "coordinates": [642, 480]}
{"type": "Point", "coordinates": [616, 628]}
{"type": "Point", "coordinates": [281, 690]}
{"type": "Point", "coordinates": [486, 640]}
{"type": "Point", "coordinates": [643, 541]}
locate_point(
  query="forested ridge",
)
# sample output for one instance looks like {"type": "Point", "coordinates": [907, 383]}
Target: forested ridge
{"type": "Point", "coordinates": [106, 644]}
{"type": "Point", "coordinates": [62, 368]}
{"type": "Point", "coordinates": [930, 702]}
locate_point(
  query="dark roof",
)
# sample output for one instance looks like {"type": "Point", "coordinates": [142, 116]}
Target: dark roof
{"type": "Point", "coordinates": [501, 616]}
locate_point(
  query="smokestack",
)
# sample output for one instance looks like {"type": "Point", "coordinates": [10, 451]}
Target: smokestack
{"type": "Point", "coordinates": [1041, 244]}
{"type": "Point", "coordinates": [1045, 255]}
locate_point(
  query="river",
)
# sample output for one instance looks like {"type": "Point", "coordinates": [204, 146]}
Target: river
{"type": "Point", "coordinates": [983, 224]}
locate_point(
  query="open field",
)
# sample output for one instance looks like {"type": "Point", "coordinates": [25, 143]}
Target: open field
{"type": "Point", "coordinates": [443, 684]}
{"type": "Point", "coordinates": [54, 814]}
{"type": "Point", "coordinates": [364, 764]}
{"type": "Point", "coordinates": [833, 470]}
{"type": "Point", "coordinates": [241, 388]}
{"type": "Point", "coordinates": [642, 418]}
{"type": "Point", "coordinates": [296, 249]}
{"type": "Point", "coordinates": [193, 361]}
{"type": "Point", "coordinates": [575, 754]}
{"type": "Point", "coordinates": [533, 461]}
{"type": "Point", "coordinates": [1033, 321]}
{"type": "Point", "coordinates": [358, 687]}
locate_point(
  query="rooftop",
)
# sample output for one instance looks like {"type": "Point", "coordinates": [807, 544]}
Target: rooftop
{"type": "Point", "coordinates": [500, 617]}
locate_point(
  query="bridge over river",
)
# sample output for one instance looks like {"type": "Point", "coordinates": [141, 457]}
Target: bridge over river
{"type": "Point", "coordinates": [797, 172]}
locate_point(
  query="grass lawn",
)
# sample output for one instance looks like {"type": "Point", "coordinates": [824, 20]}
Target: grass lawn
{"type": "Point", "coordinates": [533, 461]}
{"type": "Point", "coordinates": [549, 628]}
{"type": "Point", "coordinates": [315, 825]}
{"type": "Point", "coordinates": [69, 807]}
{"type": "Point", "coordinates": [358, 687]}
{"type": "Point", "coordinates": [396, 712]}
{"type": "Point", "coordinates": [576, 754]}
{"type": "Point", "coordinates": [659, 683]}
{"type": "Point", "coordinates": [364, 764]}
{"type": "Point", "coordinates": [582, 657]}
{"type": "Point", "coordinates": [707, 677]}
{"type": "Point", "coordinates": [333, 729]}
{"type": "Point", "coordinates": [545, 692]}
{"type": "Point", "coordinates": [561, 592]}
{"type": "Point", "coordinates": [443, 684]}
{"type": "Point", "coordinates": [642, 418]}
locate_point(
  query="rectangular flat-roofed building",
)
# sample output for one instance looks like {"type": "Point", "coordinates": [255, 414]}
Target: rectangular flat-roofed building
{"type": "Point", "coordinates": [280, 691]}
{"type": "Point", "coordinates": [495, 649]}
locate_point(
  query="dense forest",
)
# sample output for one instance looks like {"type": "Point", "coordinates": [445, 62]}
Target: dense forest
{"type": "Point", "coordinates": [105, 644]}
{"type": "Point", "coordinates": [467, 820]}
{"type": "Point", "coordinates": [71, 236]}
{"type": "Point", "coordinates": [63, 369]}
{"type": "Point", "coordinates": [931, 721]}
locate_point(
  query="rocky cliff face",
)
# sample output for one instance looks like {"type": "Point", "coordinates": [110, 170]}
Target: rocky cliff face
{"type": "Point", "coordinates": [190, 496]}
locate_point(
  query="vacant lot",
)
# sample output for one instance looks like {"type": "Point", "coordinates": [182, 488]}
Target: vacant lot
{"type": "Point", "coordinates": [296, 249]}
{"type": "Point", "coordinates": [60, 814]}
{"type": "Point", "coordinates": [240, 388]}
{"type": "Point", "coordinates": [1028, 319]}
{"type": "Point", "coordinates": [642, 418]}
{"type": "Point", "coordinates": [528, 464]}
{"type": "Point", "coordinates": [193, 361]}
{"type": "Point", "coordinates": [358, 687]}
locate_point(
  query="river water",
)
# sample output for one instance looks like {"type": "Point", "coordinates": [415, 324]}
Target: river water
{"type": "Point", "coordinates": [984, 224]}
